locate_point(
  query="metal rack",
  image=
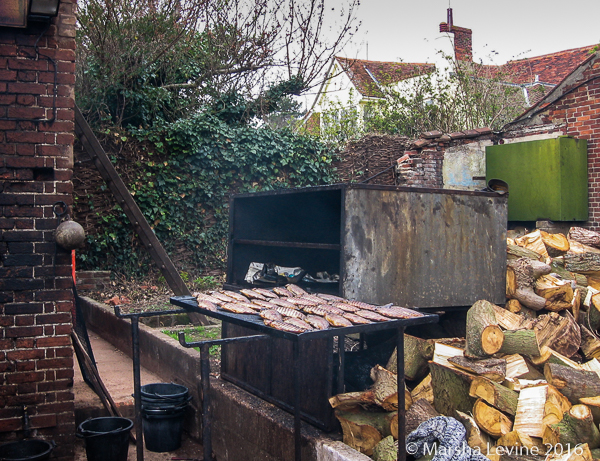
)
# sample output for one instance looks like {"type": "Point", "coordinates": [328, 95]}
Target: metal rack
{"type": "Point", "coordinates": [253, 322]}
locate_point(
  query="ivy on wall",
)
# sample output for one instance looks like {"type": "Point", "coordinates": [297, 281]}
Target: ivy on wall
{"type": "Point", "coordinates": [182, 179]}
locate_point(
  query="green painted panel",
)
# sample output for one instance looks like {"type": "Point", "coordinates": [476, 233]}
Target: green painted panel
{"type": "Point", "coordinates": [547, 179]}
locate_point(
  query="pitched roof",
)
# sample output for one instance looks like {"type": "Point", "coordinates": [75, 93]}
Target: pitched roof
{"type": "Point", "coordinates": [368, 76]}
{"type": "Point", "coordinates": [549, 68]}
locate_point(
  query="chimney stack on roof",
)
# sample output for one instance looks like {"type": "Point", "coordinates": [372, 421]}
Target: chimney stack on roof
{"type": "Point", "coordinates": [463, 45]}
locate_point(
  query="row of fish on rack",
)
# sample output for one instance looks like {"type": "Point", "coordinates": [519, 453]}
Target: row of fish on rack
{"type": "Point", "coordinates": [292, 309]}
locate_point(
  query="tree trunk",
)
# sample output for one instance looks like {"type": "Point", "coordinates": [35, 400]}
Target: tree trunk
{"type": "Point", "coordinates": [491, 420]}
{"type": "Point", "coordinates": [495, 394]}
{"type": "Point", "coordinates": [515, 307]}
{"type": "Point", "coordinates": [484, 336]}
{"type": "Point", "coordinates": [574, 384]}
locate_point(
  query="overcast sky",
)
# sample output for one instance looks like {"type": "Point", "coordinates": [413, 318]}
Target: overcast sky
{"type": "Point", "coordinates": [408, 30]}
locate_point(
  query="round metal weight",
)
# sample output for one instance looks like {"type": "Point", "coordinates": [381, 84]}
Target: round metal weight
{"type": "Point", "coordinates": [69, 235]}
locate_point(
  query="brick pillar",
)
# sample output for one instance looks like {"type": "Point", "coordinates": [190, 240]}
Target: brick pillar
{"type": "Point", "coordinates": [36, 163]}
{"type": "Point", "coordinates": [463, 44]}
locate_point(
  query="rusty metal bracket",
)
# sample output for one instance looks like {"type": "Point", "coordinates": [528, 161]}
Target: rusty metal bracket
{"type": "Point", "coordinates": [138, 221]}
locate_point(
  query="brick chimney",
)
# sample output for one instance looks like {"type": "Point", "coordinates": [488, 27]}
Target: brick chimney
{"type": "Point", "coordinates": [463, 45]}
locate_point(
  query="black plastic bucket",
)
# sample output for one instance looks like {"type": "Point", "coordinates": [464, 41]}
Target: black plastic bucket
{"type": "Point", "coordinates": [26, 450]}
{"type": "Point", "coordinates": [164, 392]}
{"type": "Point", "coordinates": [106, 439]}
{"type": "Point", "coordinates": [163, 428]}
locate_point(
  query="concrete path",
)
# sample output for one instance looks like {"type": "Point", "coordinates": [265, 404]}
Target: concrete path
{"type": "Point", "coordinates": [116, 372]}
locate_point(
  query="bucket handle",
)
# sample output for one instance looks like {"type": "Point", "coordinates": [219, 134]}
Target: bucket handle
{"type": "Point", "coordinates": [83, 435]}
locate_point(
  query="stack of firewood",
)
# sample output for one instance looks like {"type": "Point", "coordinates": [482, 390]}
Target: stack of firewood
{"type": "Point", "coordinates": [525, 381]}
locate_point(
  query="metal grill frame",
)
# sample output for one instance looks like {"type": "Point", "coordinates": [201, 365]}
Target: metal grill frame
{"type": "Point", "coordinates": [254, 322]}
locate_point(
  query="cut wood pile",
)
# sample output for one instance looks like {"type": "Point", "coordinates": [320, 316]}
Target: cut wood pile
{"type": "Point", "coordinates": [525, 381]}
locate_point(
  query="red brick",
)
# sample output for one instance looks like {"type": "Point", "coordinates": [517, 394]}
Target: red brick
{"type": "Point", "coordinates": [28, 377]}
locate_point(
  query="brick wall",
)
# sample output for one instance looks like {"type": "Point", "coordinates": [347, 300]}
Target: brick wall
{"type": "Point", "coordinates": [36, 147]}
{"type": "Point", "coordinates": [423, 169]}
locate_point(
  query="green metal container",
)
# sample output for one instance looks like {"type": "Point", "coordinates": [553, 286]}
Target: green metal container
{"type": "Point", "coordinates": [547, 179]}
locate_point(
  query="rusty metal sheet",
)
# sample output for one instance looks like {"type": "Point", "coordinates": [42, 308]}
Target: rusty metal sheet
{"type": "Point", "coordinates": [420, 248]}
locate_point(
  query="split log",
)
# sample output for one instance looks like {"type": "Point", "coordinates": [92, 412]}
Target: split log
{"type": "Point", "coordinates": [494, 369]}
{"type": "Point", "coordinates": [363, 430]}
{"type": "Point", "coordinates": [533, 241]}
{"type": "Point", "coordinates": [537, 407]}
{"type": "Point", "coordinates": [521, 342]}
{"type": "Point", "coordinates": [593, 403]}
{"type": "Point", "coordinates": [491, 420]}
{"type": "Point", "coordinates": [556, 244]}
{"type": "Point", "coordinates": [592, 316]}
{"type": "Point", "coordinates": [518, 439]}
{"type": "Point", "coordinates": [591, 365]}
{"type": "Point", "coordinates": [580, 248]}
{"type": "Point", "coordinates": [495, 394]}
{"type": "Point", "coordinates": [581, 453]}
{"type": "Point", "coordinates": [385, 389]}
{"type": "Point", "coordinates": [558, 293]}
{"type": "Point", "coordinates": [574, 384]}
{"type": "Point", "coordinates": [423, 390]}
{"type": "Point", "coordinates": [525, 272]}
{"type": "Point", "coordinates": [484, 336]}
{"type": "Point", "coordinates": [450, 389]}
{"type": "Point", "coordinates": [509, 320]}
{"type": "Point", "coordinates": [353, 400]}
{"type": "Point", "coordinates": [476, 438]}
{"type": "Point", "coordinates": [417, 352]}
{"type": "Point", "coordinates": [585, 236]}
{"type": "Point", "coordinates": [442, 352]}
{"type": "Point", "coordinates": [550, 356]}
{"type": "Point", "coordinates": [386, 450]}
{"type": "Point", "coordinates": [517, 384]}
{"type": "Point", "coordinates": [511, 282]}
{"type": "Point", "coordinates": [558, 268]}
{"type": "Point", "coordinates": [584, 263]}
{"type": "Point", "coordinates": [418, 413]}
{"type": "Point", "coordinates": [515, 252]}
{"type": "Point", "coordinates": [515, 307]}
{"type": "Point", "coordinates": [518, 367]}
{"type": "Point", "coordinates": [512, 454]}
{"type": "Point", "coordinates": [559, 333]}
{"type": "Point", "coordinates": [576, 427]}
